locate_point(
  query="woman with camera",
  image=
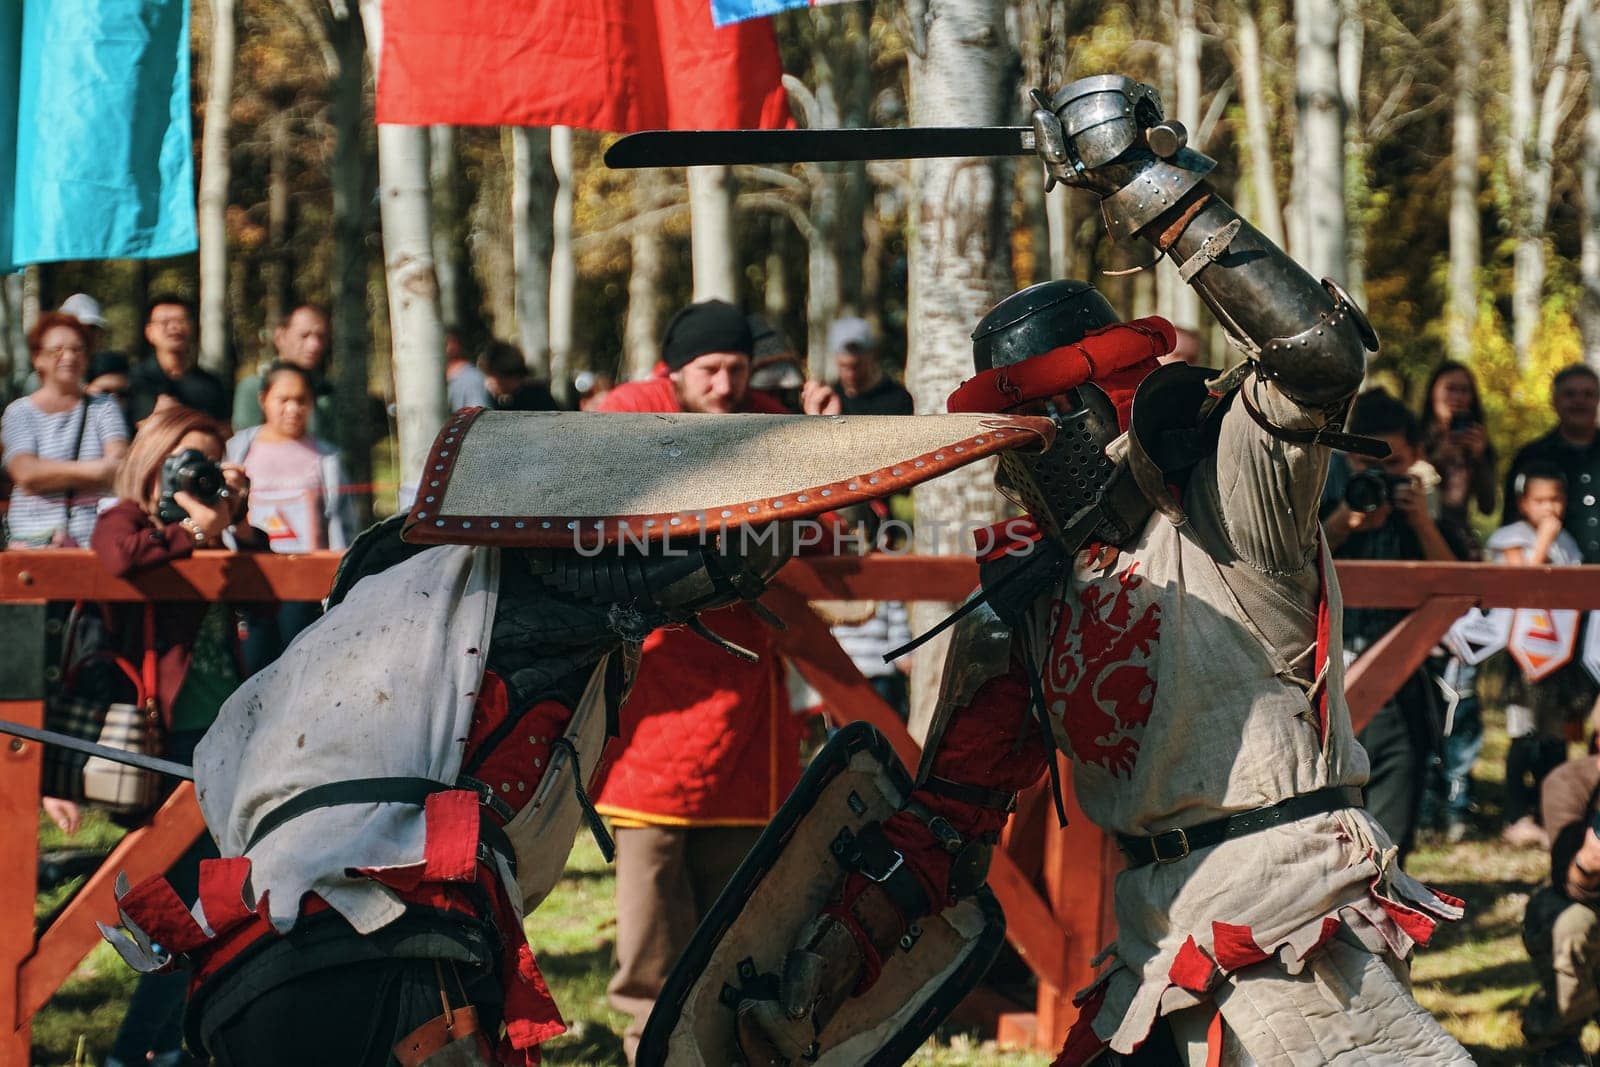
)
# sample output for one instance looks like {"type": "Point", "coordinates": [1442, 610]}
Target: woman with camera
{"type": "Point", "coordinates": [299, 496]}
{"type": "Point", "coordinates": [175, 496]}
{"type": "Point", "coordinates": [62, 448]}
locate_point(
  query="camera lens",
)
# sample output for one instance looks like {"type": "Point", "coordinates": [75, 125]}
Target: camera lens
{"type": "Point", "coordinates": [1367, 491]}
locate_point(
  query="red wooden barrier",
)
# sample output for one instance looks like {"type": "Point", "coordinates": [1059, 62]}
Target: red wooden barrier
{"type": "Point", "coordinates": [1056, 931]}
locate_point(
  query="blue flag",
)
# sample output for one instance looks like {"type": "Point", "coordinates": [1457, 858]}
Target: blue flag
{"type": "Point", "coordinates": [95, 154]}
{"type": "Point", "coordinates": [724, 12]}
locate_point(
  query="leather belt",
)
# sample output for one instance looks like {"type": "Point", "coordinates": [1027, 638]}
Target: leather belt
{"type": "Point", "coordinates": [1170, 846]}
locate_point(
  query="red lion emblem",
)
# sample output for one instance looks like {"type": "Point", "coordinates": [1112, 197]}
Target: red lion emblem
{"type": "Point", "coordinates": [1092, 682]}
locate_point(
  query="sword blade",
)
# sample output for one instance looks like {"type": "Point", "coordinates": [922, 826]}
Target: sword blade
{"type": "Point", "coordinates": [694, 148]}
{"type": "Point", "coordinates": [115, 755]}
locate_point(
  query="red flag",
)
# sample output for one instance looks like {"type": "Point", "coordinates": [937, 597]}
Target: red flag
{"type": "Point", "coordinates": [620, 65]}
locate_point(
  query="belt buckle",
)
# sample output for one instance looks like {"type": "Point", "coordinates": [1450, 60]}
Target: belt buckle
{"type": "Point", "coordinates": [1177, 835]}
{"type": "Point", "coordinates": [883, 876]}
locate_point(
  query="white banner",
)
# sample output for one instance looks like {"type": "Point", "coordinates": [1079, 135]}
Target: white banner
{"type": "Point", "coordinates": [1542, 642]}
{"type": "Point", "coordinates": [1478, 634]}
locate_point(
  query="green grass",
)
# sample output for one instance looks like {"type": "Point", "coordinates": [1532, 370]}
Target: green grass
{"type": "Point", "coordinates": [1475, 977]}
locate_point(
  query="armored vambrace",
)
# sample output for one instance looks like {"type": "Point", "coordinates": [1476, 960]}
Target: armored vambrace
{"type": "Point", "coordinates": [1107, 134]}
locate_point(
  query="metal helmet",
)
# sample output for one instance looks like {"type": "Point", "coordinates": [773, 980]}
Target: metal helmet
{"type": "Point", "coordinates": [1055, 485]}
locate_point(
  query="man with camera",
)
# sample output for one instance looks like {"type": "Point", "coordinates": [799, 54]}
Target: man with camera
{"type": "Point", "coordinates": [1382, 509]}
{"type": "Point", "coordinates": [1561, 927]}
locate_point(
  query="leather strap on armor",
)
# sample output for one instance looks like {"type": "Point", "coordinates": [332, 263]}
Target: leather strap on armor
{"type": "Point", "coordinates": [1323, 435]}
{"type": "Point", "coordinates": [870, 853]}
{"type": "Point", "coordinates": [1170, 846]}
{"type": "Point", "coordinates": [997, 799]}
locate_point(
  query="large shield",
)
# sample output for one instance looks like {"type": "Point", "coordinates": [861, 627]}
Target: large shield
{"type": "Point", "coordinates": [738, 950]}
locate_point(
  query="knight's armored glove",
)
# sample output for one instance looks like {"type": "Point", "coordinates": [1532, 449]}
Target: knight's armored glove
{"type": "Point", "coordinates": [897, 873]}
{"type": "Point", "coordinates": [1108, 134]}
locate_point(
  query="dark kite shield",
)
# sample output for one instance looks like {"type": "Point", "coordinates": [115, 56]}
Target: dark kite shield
{"type": "Point", "coordinates": [738, 951]}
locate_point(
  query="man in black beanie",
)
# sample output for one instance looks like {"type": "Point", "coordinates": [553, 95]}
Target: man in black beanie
{"type": "Point", "coordinates": [705, 368]}
{"type": "Point", "coordinates": [708, 747]}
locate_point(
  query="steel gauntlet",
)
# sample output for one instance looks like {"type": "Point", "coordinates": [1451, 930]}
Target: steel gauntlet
{"type": "Point", "coordinates": [1108, 134]}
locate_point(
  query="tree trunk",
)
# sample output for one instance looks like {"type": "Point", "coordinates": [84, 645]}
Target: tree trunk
{"type": "Point", "coordinates": [13, 342]}
{"type": "Point", "coordinates": [1062, 222]}
{"type": "Point", "coordinates": [775, 291]}
{"type": "Point", "coordinates": [278, 271]}
{"type": "Point", "coordinates": [1589, 180]}
{"type": "Point", "coordinates": [449, 250]}
{"type": "Point", "coordinates": [1529, 161]}
{"type": "Point", "coordinates": [351, 175]}
{"type": "Point", "coordinates": [1321, 129]}
{"type": "Point", "coordinates": [1179, 302]}
{"type": "Point", "coordinates": [563, 267]}
{"type": "Point", "coordinates": [641, 333]}
{"type": "Point", "coordinates": [1268, 213]}
{"type": "Point", "coordinates": [714, 251]}
{"type": "Point", "coordinates": [491, 239]}
{"type": "Point", "coordinates": [961, 73]}
{"type": "Point", "coordinates": [415, 326]}
{"type": "Point", "coordinates": [1466, 248]}
{"type": "Point", "coordinates": [1352, 41]}
{"type": "Point", "coordinates": [211, 202]}
{"type": "Point", "coordinates": [533, 194]}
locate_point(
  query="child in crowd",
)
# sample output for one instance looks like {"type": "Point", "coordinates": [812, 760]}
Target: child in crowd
{"type": "Point", "coordinates": [1535, 713]}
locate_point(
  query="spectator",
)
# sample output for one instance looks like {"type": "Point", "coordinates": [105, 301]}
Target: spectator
{"type": "Point", "coordinates": [108, 377]}
{"type": "Point", "coordinates": [708, 747]}
{"type": "Point", "coordinates": [591, 389]}
{"type": "Point", "coordinates": [86, 309]}
{"type": "Point", "coordinates": [1455, 441]}
{"type": "Point", "coordinates": [1456, 444]}
{"type": "Point", "coordinates": [506, 373]}
{"type": "Point", "coordinates": [862, 386]}
{"type": "Point", "coordinates": [1536, 714]}
{"type": "Point", "coordinates": [197, 666]}
{"type": "Point", "coordinates": [465, 386]}
{"type": "Point", "coordinates": [171, 376]}
{"type": "Point", "coordinates": [300, 340]}
{"type": "Point", "coordinates": [1573, 448]}
{"type": "Point", "coordinates": [1188, 348]}
{"type": "Point", "coordinates": [1560, 926]}
{"type": "Point", "coordinates": [1382, 510]}
{"type": "Point", "coordinates": [62, 448]}
{"type": "Point", "coordinates": [774, 369]}
{"type": "Point", "coordinates": [299, 496]}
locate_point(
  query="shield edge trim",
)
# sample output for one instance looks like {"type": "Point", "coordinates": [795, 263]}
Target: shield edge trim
{"type": "Point", "coordinates": [852, 738]}
{"type": "Point", "coordinates": [425, 527]}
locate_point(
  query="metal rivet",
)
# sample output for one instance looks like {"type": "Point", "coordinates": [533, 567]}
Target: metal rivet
{"type": "Point", "coordinates": [433, 485]}
{"type": "Point", "coordinates": [896, 472]}
{"type": "Point", "coordinates": [444, 451]}
{"type": "Point", "coordinates": [545, 525]}
{"type": "Point", "coordinates": [676, 520]}
{"type": "Point", "coordinates": [801, 499]}
{"type": "Point", "coordinates": [777, 503]}
{"type": "Point", "coordinates": [939, 455]}
{"type": "Point", "coordinates": [852, 485]}
{"type": "Point", "coordinates": [827, 492]}
{"type": "Point", "coordinates": [466, 525]}
{"type": "Point", "coordinates": [427, 500]}
{"type": "Point", "coordinates": [438, 522]}
{"type": "Point", "coordinates": [752, 509]}
{"type": "Point", "coordinates": [918, 463]}
{"type": "Point", "coordinates": [440, 467]}
{"type": "Point", "coordinates": [494, 526]}
{"type": "Point", "coordinates": [520, 525]}
{"type": "Point", "coordinates": [422, 514]}
{"type": "Point", "coordinates": [727, 514]}
{"type": "Point", "coordinates": [572, 526]}
{"type": "Point", "coordinates": [873, 480]}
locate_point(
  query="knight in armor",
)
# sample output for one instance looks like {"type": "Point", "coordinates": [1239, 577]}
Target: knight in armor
{"type": "Point", "coordinates": [1170, 619]}
{"type": "Point", "coordinates": [453, 704]}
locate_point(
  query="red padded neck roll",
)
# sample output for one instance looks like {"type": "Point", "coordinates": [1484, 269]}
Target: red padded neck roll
{"type": "Point", "coordinates": [1100, 355]}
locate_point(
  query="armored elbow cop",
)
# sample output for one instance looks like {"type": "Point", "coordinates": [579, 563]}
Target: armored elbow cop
{"type": "Point", "coordinates": [1108, 134]}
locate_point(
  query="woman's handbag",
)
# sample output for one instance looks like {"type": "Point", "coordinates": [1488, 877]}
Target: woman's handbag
{"type": "Point", "coordinates": [87, 708]}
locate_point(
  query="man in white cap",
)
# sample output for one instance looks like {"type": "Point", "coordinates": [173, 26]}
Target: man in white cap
{"type": "Point", "coordinates": [86, 309]}
{"type": "Point", "coordinates": [863, 387]}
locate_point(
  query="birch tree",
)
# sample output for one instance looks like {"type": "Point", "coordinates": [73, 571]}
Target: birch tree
{"type": "Point", "coordinates": [533, 194]}
{"type": "Point", "coordinates": [1319, 140]}
{"type": "Point", "coordinates": [1178, 301]}
{"type": "Point", "coordinates": [211, 200]}
{"type": "Point", "coordinates": [1352, 44]}
{"type": "Point", "coordinates": [1532, 120]}
{"type": "Point", "coordinates": [1589, 182]}
{"type": "Point", "coordinates": [563, 267]}
{"type": "Point", "coordinates": [1466, 242]}
{"type": "Point", "coordinates": [641, 331]}
{"type": "Point", "coordinates": [1244, 50]}
{"type": "Point", "coordinates": [415, 326]}
{"type": "Point", "coordinates": [713, 250]}
{"type": "Point", "coordinates": [961, 73]}
{"type": "Point", "coordinates": [449, 249]}
{"type": "Point", "coordinates": [351, 174]}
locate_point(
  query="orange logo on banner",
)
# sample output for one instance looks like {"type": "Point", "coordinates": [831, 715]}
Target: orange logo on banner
{"type": "Point", "coordinates": [1542, 642]}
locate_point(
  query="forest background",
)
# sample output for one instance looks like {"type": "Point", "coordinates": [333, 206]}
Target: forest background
{"type": "Point", "coordinates": [1465, 214]}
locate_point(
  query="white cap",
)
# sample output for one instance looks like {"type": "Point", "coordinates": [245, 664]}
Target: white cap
{"type": "Point", "coordinates": [84, 308]}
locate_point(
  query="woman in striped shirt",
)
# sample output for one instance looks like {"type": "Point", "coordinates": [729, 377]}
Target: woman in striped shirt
{"type": "Point", "coordinates": [62, 448]}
